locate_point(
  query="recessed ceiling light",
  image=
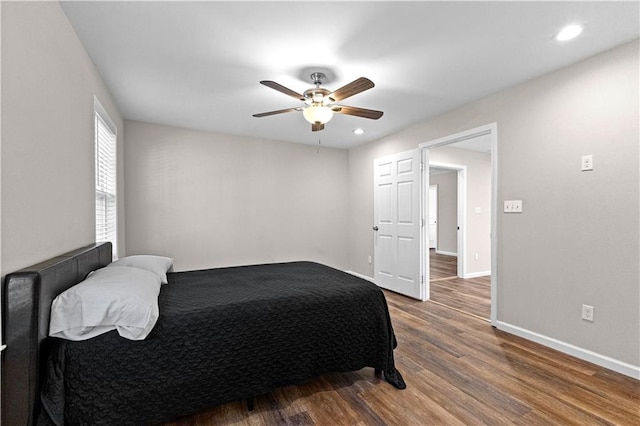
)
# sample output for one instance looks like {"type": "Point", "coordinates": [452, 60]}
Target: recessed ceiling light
{"type": "Point", "coordinates": [569, 32]}
{"type": "Point", "coordinates": [358, 131]}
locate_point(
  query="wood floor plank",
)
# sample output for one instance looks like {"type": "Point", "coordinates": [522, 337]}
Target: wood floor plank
{"type": "Point", "coordinates": [598, 405]}
{"type": "Point", "coordinates": [534, 390]}
{"type": "Point", "coordinates": [459, 370]}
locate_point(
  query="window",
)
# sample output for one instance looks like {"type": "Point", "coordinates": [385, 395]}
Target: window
{"type": "Point", "coordinates": [105, 169]}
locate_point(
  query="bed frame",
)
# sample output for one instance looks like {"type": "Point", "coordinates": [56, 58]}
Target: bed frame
{"type": "Point", "coordinates": [27, 296]}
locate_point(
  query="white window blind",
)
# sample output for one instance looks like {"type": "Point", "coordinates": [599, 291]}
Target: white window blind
{"type": "Point", "coordinates": [105, 167]}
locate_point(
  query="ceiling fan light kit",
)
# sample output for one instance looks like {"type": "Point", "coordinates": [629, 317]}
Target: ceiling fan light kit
{"type": "Point", "coordinates": [317, 114]}
{"type": "Point", "coordinates": [321, 103]}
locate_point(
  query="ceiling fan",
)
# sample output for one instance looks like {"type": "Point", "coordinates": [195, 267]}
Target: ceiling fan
{"type": "Point", "coordinates": [321, 103]}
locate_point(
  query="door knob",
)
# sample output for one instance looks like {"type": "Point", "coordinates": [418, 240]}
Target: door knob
{"type": "Point", "coordinates": [375, 228]}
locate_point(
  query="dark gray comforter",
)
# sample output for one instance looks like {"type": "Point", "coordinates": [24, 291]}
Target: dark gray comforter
{"type": "Point", "coordinates": [222, 335]}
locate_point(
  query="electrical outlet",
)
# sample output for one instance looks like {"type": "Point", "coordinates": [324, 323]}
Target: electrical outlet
{"type": "Point", "coordinates": [475, 256]}
{"type": "Point", "coordinates": [587, 163]}
{"type": "Point", "coordinates": [587, 312]}
{"type": "Point", "coordinates": [369, 260]}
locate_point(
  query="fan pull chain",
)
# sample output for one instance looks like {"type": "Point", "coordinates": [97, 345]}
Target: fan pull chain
{"type": "Point", "coordinates": [318, 149]}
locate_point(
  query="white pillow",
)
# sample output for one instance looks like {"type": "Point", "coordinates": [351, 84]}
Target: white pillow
{"type": "Point", "coordinates": [159, 265]}
{"type": "Point", "coordinates": [120, 298]}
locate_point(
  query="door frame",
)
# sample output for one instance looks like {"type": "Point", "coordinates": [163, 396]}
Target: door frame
{"type": "Point", "coordinates": [428, 216]}
{"type": "Point", "coordinates": [491, 130]}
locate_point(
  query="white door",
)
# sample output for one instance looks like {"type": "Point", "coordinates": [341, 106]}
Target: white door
{"type": "Point", "coordinates": [433, 216]}
{"type": "Point", "coordinates": [397, 223]}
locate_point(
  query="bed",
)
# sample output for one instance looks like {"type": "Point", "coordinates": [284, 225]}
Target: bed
{"type": "Point", "coordinates": [223, 334]}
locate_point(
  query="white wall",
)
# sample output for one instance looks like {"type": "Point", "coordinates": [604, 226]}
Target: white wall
{"type": "Point", "coordinates": [211, 200]}
{"type": "Point", "coordinates": [577, 240]}
{"type": "Point", "coordinates": [48, 87]}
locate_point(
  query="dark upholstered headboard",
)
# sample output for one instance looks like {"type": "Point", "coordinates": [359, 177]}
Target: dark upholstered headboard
{"type": "Point", "coordinates": [27, 296]}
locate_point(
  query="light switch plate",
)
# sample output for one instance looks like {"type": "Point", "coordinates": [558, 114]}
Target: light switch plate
{"type": "Point", "coordinates": [517, 206]}
{"type": "Point", "coordinates": [513, 206]}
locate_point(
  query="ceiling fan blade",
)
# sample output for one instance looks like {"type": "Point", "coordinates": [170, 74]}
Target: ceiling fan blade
{"type": "Point", "coordinates": [282, 89]}
{"type": "Point", "coordinates": [358, 112]}
{"type": "Point", "coordinates": [316, 127]}
{"type": "Point", "coordinates": [353, 88]}
{"type": "Point", "coordinates": [280, 111]}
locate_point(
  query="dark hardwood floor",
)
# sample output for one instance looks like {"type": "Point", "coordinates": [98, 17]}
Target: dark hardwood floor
{"type": "Point", "coordinates": [472, 296]}
{"type": "Point", "coordinates": [459, 371]}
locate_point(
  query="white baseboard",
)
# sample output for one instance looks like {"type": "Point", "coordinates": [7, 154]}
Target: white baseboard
{"type": "Point", "coordinates": [364, 277]}
{"type": "Point", "coordinates": [477, 274]}
{"type": "Point", "coordinates": [581, 353]}
{"type": "Point", "coordinates": [447, 253]}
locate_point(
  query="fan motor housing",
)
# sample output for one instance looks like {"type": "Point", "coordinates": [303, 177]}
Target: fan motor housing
{"type": "Point", "coordinates": [318, 95]}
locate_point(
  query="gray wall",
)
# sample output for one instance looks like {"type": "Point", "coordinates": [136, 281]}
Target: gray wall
{"type": "Point", "coordinates": [447, 211]}
{"type": "Point", "coordinates": [48, 87]}
{"type": "Point", "coordinates": [210, 199]}
{"type": "Point", "coordinates": [577, 240]}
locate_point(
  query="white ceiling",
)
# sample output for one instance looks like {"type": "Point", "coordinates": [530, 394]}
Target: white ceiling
{"type": "Point", "coordinates": [198, 64]}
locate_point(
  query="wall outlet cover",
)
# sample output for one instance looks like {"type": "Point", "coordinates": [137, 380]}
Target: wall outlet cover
{"type": "Point", "coordinates": [587, 312]}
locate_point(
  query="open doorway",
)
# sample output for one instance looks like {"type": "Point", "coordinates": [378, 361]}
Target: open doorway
{"type": "Point", "coordinates": [449, 181]}
{"type": "Point", "coordinates": [460, 264]}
